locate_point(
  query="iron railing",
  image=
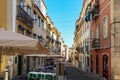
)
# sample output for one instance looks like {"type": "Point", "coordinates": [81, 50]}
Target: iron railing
{"type": "Point", "coordinates": [23, 16]}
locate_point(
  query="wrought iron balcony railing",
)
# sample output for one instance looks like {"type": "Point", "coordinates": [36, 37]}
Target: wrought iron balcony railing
{"type": "Point", "coordinates": [87, 48]}
{"type": "Point", "coordinates": [80, 49]}
{"type": "Point", "coordinates": [95, 12]}
{"type": "Point", "coordinates": [23, 16]}
{"type": "Point", "coordinates": [96, 43]}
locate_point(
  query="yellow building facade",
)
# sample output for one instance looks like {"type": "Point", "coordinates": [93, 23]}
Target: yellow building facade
{"type": "Point", "coordinates": [18, 16]}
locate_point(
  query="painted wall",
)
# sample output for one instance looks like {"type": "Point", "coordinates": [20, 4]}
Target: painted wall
{"type": "Point", "coordinates": [3, 13]}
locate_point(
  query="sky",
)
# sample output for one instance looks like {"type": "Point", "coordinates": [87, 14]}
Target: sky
{"type": "Point", "coordinates": [64, 14]}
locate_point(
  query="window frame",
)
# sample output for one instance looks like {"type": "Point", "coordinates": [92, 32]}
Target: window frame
{"type": "Point", "coordinates": [28, 8]}
{"type": "Point", "coordinates": [39, 21]}
{"type": "Point", "coordinates": [105, 26]}
{"type": "Point", "coordinates": [34, 16]}
{"type": "Point", "coordinates": [97, 31]}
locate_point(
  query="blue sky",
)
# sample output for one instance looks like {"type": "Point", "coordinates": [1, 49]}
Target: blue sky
{"type": "Point", "coordinates": [64, 14]}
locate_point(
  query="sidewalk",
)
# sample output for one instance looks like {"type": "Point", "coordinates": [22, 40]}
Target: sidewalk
{"type": "Point", "coordinates": [21, 77]}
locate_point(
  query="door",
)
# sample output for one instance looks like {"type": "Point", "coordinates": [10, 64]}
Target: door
{"type": "Point", "coordinates": [28, 64]}
{"type": "Point", "coordinates": [105, 66]}
{"type": "Point", "coordinates": [20, 64]}
{"type": "Point", "coordinates": [91, 62]}
{"type": "Point", "coordinates": [97, 63]}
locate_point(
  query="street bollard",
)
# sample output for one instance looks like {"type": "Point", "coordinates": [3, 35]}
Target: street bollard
{"type": "Point", "coordinates": [6, 74]}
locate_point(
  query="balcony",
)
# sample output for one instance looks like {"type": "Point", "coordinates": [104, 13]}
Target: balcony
{"type": "Point", "coordinates": [95, 11]}
{"type": "Point", "coordinates": [96, 43]}
{"type": "Point", "coordinates": [23, 16]}
{"type": "Point", "coordinates": [76, 56]}
{"type": "Point", "coordinates": [87, 48]}
{"type": "Point", "coordinates": [80, 49]}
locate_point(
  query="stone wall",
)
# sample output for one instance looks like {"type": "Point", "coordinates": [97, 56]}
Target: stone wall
{"type": "Point", "coordinates": [115, 39]}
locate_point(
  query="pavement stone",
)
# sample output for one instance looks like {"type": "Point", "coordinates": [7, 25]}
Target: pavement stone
{"type": "Point", "coordinates": [73, 73]}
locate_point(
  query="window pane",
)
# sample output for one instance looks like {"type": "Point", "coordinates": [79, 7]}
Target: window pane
{"type": "Point", "coordinates": [42, 24]}
{"type": "Point", "coordinates": [38, 3]}
{"type": "Point", "coordinates": [38, 21]}
{"type": "Point", "coordinates": [34, 17]}
{"type": "Point", "coordinates": [97, 32]}
{"type": "Point", "coordinates": [21, 3]}
{"type": "Point", "coordinates": [105, 27]}
{"type": "Point", "coordinates": [28, 10]}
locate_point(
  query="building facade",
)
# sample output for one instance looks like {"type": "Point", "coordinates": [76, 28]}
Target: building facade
{"type": "Point", "coordinates": [23, 17]}
{"type": "Point", "coordinates": [100, 38]}
{"type": "Point", "coordinates": [82, 39]}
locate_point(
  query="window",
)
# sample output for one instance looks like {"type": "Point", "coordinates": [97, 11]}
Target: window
{"type": "Point", "coordinates": [105, 27]}
{"type": "Point", "coordinates": [15, 60]}
{"type": "Point", "coordinates": [34, 35]}
{"type": "Point", "coordinates": [97, 32]}
{"type": "Point", "coordinates": [88, 25]}
{"type": "Point", "coordinates": [92, 34]}
{"type": "Point", "coordinates": [42, 24]}
{"type": "Point", "coordinates": [38, 3]}
{"type": "Point", "coordinates": [28, 33]}
{"type": "Point", "coordinates": [21, 29]}
{"type": "Point", "coordinates": [38, 21]}
{"type": "Point", "coordinates": [21, 3]}
{"type": "Point", "coordinates": [34, 17]}
{"type": "Point", "coordinates": [28, 10]}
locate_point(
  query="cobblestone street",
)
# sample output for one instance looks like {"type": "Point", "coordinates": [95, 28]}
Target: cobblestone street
{"type": "Point", "coordinates": [73, 73]}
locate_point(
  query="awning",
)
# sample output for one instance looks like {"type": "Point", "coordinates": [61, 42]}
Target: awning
{"type": "Point", "coordinates": [45, 56]}
{"type": "Point", "coordinates": [21, 43]}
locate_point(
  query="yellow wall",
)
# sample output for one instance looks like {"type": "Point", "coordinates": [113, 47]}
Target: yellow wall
{"type": "Point", "coordinates": [3, 62]}
{"type": "Point", "coordinates": [3, 13]}
{"type": "Point", "coordinates": [18, 22]}
{"type": "Point", "coordinates": [3, 24]}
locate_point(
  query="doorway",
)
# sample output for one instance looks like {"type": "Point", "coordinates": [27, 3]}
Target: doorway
{"type": "Point", "coordinates": [20, 64]}
{"type": "Point", "coordinates": [105, 66]}
{"type": "Point", "coordinates": [97, 63]}
{"type": "Point", "coordinates": [28, 64]}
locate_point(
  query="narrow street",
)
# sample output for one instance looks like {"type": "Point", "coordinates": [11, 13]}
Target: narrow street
{"type": "Point", "coordinates": [73, 73]}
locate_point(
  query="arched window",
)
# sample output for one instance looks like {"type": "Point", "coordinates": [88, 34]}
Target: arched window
{"type": "Point", "coordinates": [105, 27]}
